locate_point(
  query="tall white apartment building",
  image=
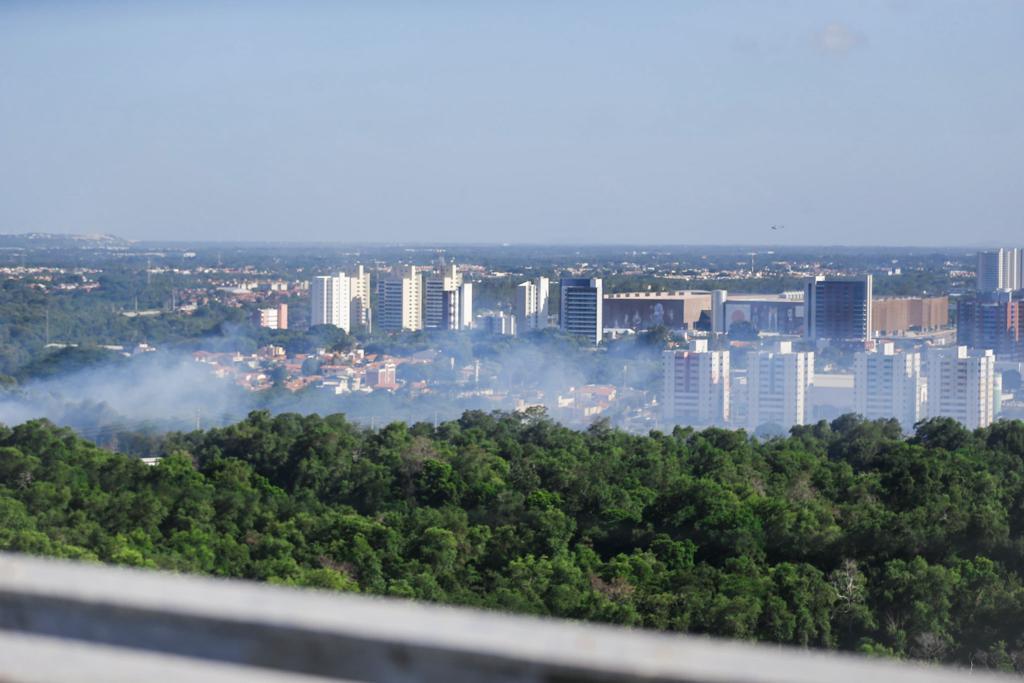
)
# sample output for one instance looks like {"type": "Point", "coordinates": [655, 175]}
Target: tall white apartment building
{"type": "Point", "coordinates": [887, 384]}
{"type": "Point", "coordinates": [531, 304]}
{"type": "Point", "coordinates": [962, 386]}
{"type": "Point", "coordinates": [777, 382]}
{"type": "Point", "coordinates": [465, 317]}
{"type": "Point", "coordinates": [400, 301]}
{"type": "Point", "coordinates": [1000, 269]}
{"type": "Point", "coordinates": [696, 386]}
{"type": "Point", "coordinates": [360, 314]}
{"type": "Point", "coordinates": [330, 301]}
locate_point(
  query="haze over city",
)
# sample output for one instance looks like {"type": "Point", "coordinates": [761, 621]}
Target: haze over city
{"type": "Point", "coordinates": [894, 123]}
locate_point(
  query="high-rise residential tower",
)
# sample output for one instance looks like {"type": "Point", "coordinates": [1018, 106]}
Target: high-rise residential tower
{"type": "Point", "coordinates": [465, 317]}
{"type": "Point", "coordinates": [400, 299]}
{"type": "Point", "coordinates": [777, 382]}
{"type": "Point", "coordinates": [330, 301]}
{"type": "Point", "coordinates": [889, 384]}
{"type": "Point", "coordinates": [696, 386]}
{"type": "Point", "coordinates": [580, 309]}
{"type": "Point", "coordinates": [447, 301]}
{"type": "Point", "coordinates": [962, 385]}
{"type": "Point", "coordinates": [360, 313]}
{"type": "Point", "coordinates": [999, 269]}
{"type": "Point", "coordinates": [531, 304]}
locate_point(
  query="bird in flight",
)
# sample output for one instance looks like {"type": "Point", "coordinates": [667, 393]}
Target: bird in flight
{"type": "Point", "coordinates": [778, 227]}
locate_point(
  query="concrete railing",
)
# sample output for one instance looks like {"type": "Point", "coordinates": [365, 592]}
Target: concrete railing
{"type": "Point", "coordinates": [61, 621]}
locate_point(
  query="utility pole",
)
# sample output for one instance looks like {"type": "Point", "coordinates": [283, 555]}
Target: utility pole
{"type": "Point", "coordinates": [47, 323]}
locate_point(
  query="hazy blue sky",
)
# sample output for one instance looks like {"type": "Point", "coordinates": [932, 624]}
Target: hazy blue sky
{"type": "Point", "coordinates": [889, 122]}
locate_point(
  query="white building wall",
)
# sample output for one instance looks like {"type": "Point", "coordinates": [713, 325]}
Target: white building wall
{"type": "Point", "coordinates": [531, 304]}
{"type": "Point", "coordinates": [329, 301]}
{"type": "Point", "coordinates": [696, 386]}
{"type": "Point", "coordinates": [359, 298]}
{"type": "Point", "coordinates": [465, 316]}
{"type": "Point", "coordinates": [962, 386]}
{"type": "Point", "coordinates": [777, 382]}
{"type": "Point", "coordinates": [888, 384]}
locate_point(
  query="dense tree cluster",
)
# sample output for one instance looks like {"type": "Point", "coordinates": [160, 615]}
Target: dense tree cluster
{"type": "Point", "coordinates": [841, 535]}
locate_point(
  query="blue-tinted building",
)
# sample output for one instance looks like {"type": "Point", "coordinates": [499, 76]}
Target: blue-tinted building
{"type": "Point", "coordinates": [838, 308]}
{"type": "Point", "coordinates": [992, 320]}
{"type": "Point", "coordinates": [580, 310]}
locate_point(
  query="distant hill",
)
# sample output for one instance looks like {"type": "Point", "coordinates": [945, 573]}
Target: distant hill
{"type": "Point", "coordinates": [49, 240]}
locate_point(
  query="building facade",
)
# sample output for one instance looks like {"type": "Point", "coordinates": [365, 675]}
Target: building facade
{"type": "Point", "coordinates": [274, 318]}
{"type": "Point", "coordinates": [531, 304]}
{"type": "Point", "coordinates": [889, 384]}
{"type": "Point", "coordinates": [962, 385]}
{"type": "Point", "coordinates": [718, 299]}
{"type": "Point", "coordinates": [838, 308]}
{"type": "Point", "coordinates": [696, 386]}
{"type": "Point", "coordinates": [646, 310]}
{"type": "Point", "coordinates": [580, 310]}
{"type": "Point", "coordinates": [896, 316]}
{"type": "Point", "coordinates": [777, 382]}
{"type": "Point", "coordinates": [762, 313]}
{"type": "Point", "coordinates": [999, 269]}
{"type": "Point", "coordinates": [447, 301]}
{"type": "Point", "coordinates": [400, 301]}
{"type": "Point", "coordinates": [360, 313]}
{"type": "Point", "coordinates": [992, 320]}
{"type": "Point", "coordinates": [500, 323]}
{"type": "Point", "coordinates": [329, 301]}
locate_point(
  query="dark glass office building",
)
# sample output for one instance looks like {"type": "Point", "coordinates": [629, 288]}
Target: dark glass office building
{"type": "Point", "coordinates": [838, 308]}
{"type": "Point", "coordinates": [580, 313]}
{"type": "Point", "coordinates": [992, 320]}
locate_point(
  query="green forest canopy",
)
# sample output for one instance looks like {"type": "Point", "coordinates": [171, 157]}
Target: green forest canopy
{"type": "Point", "coordinates": [841, 535]}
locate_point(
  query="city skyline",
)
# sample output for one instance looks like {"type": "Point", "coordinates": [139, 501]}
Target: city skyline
{"type": "Point", "coordinates": [699, 319]}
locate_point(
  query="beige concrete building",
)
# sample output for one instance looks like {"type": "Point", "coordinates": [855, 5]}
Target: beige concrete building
{"type": "Point", "coordinates": [899, 315]}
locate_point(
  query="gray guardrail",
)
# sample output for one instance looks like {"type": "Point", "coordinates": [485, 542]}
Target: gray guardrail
{"type": "Point", "coordinates": [64, 621]}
